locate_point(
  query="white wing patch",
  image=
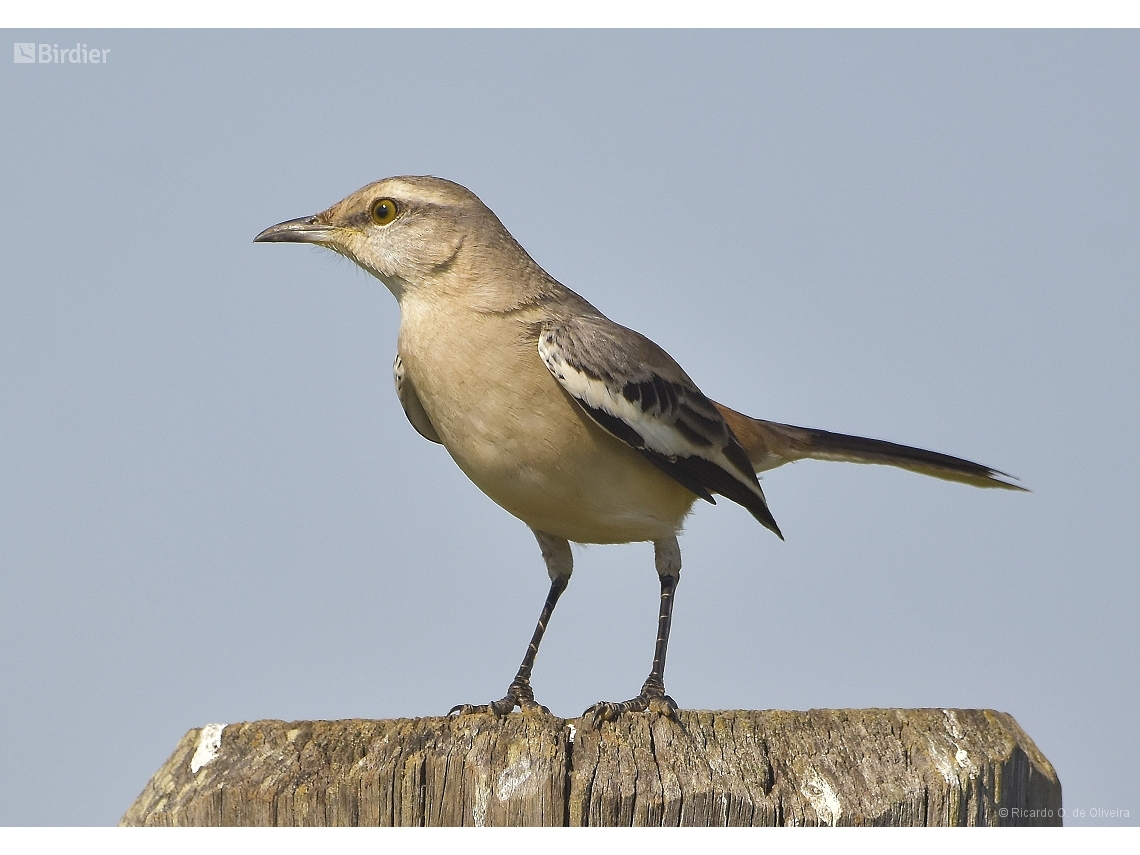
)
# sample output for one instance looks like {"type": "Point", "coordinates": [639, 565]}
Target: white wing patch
{"type": "Point", "coordinates": [659, 434]}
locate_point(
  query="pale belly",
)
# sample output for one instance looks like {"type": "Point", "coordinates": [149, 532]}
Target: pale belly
{"type": "Point", "coordinates": [525, 443]}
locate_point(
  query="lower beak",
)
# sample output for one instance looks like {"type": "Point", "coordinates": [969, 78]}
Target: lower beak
{"type": "Point", "coordinates": [302, 230]}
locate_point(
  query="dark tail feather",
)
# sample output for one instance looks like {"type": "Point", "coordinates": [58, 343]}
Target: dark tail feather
{"type": "Point", "coordinates": [825, 445]}
{"type": "Point", "coordinates": [770, 444]}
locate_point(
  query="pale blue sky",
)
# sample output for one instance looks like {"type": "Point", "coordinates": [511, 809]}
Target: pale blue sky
{"type": "Point", "coordinates": [213, 509]}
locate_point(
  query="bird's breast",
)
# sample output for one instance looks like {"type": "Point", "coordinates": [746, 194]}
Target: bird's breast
{"type": "Point", "coordinates": [522, 440]}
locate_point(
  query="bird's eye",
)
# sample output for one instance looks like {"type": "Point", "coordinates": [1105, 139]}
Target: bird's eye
{"type": "Point", "coordinates": [383, 211]}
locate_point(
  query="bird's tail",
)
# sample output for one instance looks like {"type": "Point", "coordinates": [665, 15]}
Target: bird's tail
{"type": "Point", "coordinates": [770, 444]}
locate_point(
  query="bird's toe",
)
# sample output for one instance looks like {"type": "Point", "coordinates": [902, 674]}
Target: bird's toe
{"type": "Point", "coordinates": [652, 699]}
{"type": "Point", "coordinates": [518, 695]}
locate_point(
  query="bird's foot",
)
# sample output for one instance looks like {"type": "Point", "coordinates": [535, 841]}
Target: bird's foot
{"type": "Point", "coordinates": [652, 698]}
{"type": "Point", "coordinates": [519, 694]}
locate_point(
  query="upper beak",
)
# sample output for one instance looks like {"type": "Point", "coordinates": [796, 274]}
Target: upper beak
{"type": "Point", "coordinates": [301, 230]}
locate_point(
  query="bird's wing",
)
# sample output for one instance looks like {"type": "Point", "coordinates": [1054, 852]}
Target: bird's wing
{"type": "Point", "coordinates": [410, 401]}
{"type": "Point", "coordinates": [634, 390]}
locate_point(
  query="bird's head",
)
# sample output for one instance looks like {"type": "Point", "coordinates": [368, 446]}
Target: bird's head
{"type": "Point", "coordinates": [406, 231]}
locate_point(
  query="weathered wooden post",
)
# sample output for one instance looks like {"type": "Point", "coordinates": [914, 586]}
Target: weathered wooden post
{"type": "Point", "coordinates": [821, 767]}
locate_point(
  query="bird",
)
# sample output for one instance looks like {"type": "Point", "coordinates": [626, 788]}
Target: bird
{"type": "Point", "coordinates": [585, 430]}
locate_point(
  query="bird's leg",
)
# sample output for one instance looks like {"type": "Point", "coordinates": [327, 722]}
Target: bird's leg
{"type": "Point", "coordinates": [667, 556]}
{"type": "Point", "coordinates": [559, 565]}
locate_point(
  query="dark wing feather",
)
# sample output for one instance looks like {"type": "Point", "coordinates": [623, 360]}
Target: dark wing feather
{"type": "Point", "coordinates": [635, 391]}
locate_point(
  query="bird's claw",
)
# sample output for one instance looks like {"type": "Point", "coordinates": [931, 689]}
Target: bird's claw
{"type": "Point", "coordinates": [652, 699]}
{"type": "Point", "coordinates": [519, 694]}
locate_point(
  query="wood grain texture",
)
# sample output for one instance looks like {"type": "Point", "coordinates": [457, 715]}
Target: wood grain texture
{"type": "Point", "coordinates": [743, 768]}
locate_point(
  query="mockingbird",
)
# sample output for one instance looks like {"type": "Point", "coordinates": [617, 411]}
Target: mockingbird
{"type": "Point", "coordinates": [583, 429]}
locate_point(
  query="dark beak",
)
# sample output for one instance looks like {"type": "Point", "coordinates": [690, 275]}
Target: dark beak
{"type": "Point", "coordinates": [303, 230]}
